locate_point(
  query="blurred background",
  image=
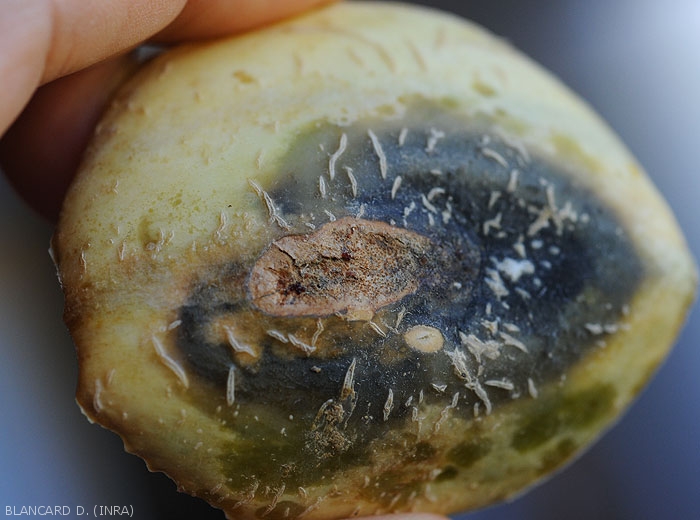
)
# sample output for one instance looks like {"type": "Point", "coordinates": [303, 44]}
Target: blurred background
{"type": "Point", "coordinates": [638, 63]}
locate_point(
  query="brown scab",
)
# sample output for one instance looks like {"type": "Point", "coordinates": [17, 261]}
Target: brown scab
{"type": "Point", "coordinates": [349, 266]}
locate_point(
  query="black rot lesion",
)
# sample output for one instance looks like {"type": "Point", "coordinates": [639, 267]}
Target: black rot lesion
{"type": "Point", "coordinates": [534, 273]}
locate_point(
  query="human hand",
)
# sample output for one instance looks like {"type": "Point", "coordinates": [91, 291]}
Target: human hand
{"type": "Point", "coordinates": [61, 60]}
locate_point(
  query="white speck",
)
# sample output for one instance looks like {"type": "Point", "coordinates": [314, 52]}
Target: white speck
{"type": "Point", "coordinates": [223, 222]}
{"type": "Point", "coordinates": [380, 153]}
{"type": "Point", "coordinates": [447, 213]}
{"type": "Point", "coordinates": [272, 210]}
{"type": "Point", "coordinates": [436, 172]}
{"type": "Point", "coordinates": [494, 156]}
{"type": "Point", "coordinates": [236, 345]}
{"type": "Point", "coordinates": [554, 250]}
{"type": "Point", "coordinates": [491, 326]}
{"type": "Point", "coordinates": [433, 138]}
{"type": "Point", "coordinates": [352, 179]}
{"type": "Point", "coordinates": [435, 192]}
{"type": "Point", "coordinates": [389, 404]}
{"type": "Point", "coordinates": [519, 248]}
{"type": "Point", "coordinates": [305, 347]}
{"type": "Point", "coordinates": [427, 204]}
{"type": "Point", "coordinates": [495, 195]}
{"type": "Point", "coordinates": [594, 328]}
{"type": "Point", "coordinates": [511, 327]}
{"type": "Point", "coordinates": [459, 363]}
{"type": "Point", "coordinates": [445, 412]}
{"type": "Point", "coordinates": [536, 244]}
{"type": "Point", "coordinates": [336, 155]}
{"type": "Point", "coordinates": [97, 397]}
{"type": "Point", "coordinates": [231, 386]}
{"type": "Point", "coordinates": [169, 362]}
{"type": "Point", "coordinates": [514, 269]}
{"type": "Point", "coordinates": [429, 495]}
{"type": "Point", "coordinates": [277, 335]}
{"type": "Point", "coordinates": [439, 388]}
{"type": "Point", "coordinates": [505, 384]}
{"type": "Point", "coordinates": [322, 187]}
{"type": "Point", "coordinates": [395, 186]}
{"type": "Point", "coordinates": [478, 348]}
{"type": "Point", "coordinates": [349, 381]}
{"type": "Point", "coordinates": [513, 181]}
{"type": "Point", "coordinates": [568, 213]}
{"type": "Point", "coordinates": [414, 414]}
{"type": "Point", "coordinates": [495, 283]}
{"type": "Point", "coordinates": [513, 342]}
{"type": "Point", "coordinates": [551, 198]}
{"type": "Point", "coordinates": [475, 387]}
{"type": "Point", "coordinates": [408, 210]}
{"type": "Point", "coordinates": [531, 388]}
{"type": "Point", "coordinates": [278, 494]}
{"type": "Point", "coordinates": [317, 334]}
{"type": "Point", "coordinates": [400, 316]}
{"type": "Point", "coordinates": [122, 251]}
{"type": "Point", "coordinates": [402, 136]}
{"type": "Point", "coordinates": [330, 215]}
{"type": "Point", "coordinates": [541, 222]}
{"type": "Point", "coordinates": [517, 145]}
{"type": "Point", "coordinates": [377, 329]}
{"type": "Point", "coordinates": [525, 295]}
{"type": "Point", "coordinates": [492, 223]}
{"type": "Point", "coordinates": [175, 324]}
{"type": "Point", "coordinates": [110, 376]}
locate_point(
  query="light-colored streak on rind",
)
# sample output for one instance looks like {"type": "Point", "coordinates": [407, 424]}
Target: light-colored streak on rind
{"type": "Point", "coordinates": [379, 151]}
{"type": "Point", "coordinates": [231, 386]}
{"type": "Point", "coordinates": [336, 155]}
{"type": "Point", "coordinates": [169, 362]}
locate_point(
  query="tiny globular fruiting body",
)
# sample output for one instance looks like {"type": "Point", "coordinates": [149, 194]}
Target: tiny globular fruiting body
{"type": "Point", "coordinates": [379, 275]}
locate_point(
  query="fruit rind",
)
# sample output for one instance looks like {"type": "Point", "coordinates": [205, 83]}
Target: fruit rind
{"type": "Point", "coordinates": [174, 191]}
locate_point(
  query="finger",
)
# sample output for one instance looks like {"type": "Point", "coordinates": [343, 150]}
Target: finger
{"type": "Point", "coordinates": [42, 150]}
{"type": "Point", "coordinates": [41, 40]}
{"type": "Point", "coordinates": [206, 18]}
{"type": "Point", "coordinates": [84, 33]}
{"type": "Point", "coordinates": [40, 153]}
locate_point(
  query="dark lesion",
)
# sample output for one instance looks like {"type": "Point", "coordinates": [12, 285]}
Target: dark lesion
{"type": "Point", "coordinates": [519, 267]}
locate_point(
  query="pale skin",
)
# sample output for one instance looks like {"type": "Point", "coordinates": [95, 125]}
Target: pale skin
{"type": "Point", "coordinates": [61, 60]}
